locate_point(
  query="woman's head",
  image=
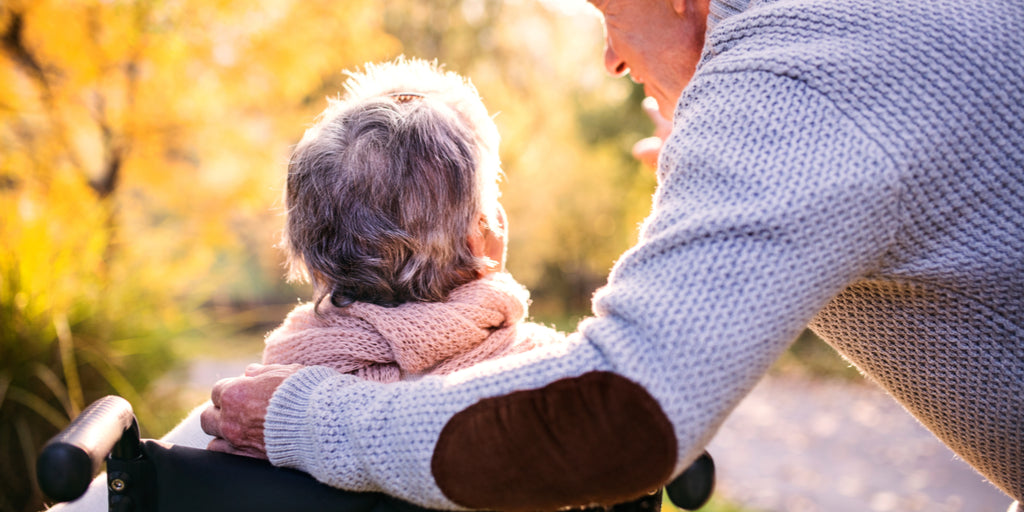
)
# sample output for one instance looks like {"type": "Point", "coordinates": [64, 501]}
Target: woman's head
{"type": "Point", "coordinates": [388, 191]}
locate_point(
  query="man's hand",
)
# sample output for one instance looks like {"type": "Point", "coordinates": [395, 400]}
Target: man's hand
{"type": "Point", "coordinates": [239, 408]}
{"type": "Point", "coordinates": [647, 150]}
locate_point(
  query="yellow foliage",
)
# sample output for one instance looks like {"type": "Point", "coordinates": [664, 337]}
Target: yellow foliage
{"type": "Point", "coordinates": [142, 143]}
{"type": "Point", "coordinates": [175, 114]}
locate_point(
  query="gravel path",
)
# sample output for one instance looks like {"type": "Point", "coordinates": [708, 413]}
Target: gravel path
{"type": "Point", "coordinates": [801, 445]}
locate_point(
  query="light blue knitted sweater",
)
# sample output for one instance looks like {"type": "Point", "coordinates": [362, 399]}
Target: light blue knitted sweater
{"type": "Point", "coordinates": [852, 165]}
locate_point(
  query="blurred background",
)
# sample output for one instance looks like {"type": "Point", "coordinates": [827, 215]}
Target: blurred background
{"type": "Point", "coordinates": [142, 154]}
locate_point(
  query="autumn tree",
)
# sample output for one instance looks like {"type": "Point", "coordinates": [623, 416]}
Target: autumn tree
{"type": "Point", "coordinates": [141, 144]}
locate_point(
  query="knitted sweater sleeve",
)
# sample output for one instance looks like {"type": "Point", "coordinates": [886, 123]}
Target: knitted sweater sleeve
{"type": "Point", "coordinates": [770, 201]}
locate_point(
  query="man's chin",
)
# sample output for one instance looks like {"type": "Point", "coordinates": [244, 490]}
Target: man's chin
{"type": "Point", "coordinates": [666, 106]}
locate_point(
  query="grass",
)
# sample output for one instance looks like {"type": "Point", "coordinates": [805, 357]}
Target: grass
{"type": "Point", "coordinates": [715, 504]}
{"type": "Point", "coordinates": [809, 356]}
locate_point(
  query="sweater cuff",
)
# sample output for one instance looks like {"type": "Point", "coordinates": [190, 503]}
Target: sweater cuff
{"type": "Point", "coordinates": [287, 434]}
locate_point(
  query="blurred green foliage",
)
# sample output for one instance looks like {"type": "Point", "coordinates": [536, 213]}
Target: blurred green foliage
{"type": "Point", "coordinates": [811, 357]}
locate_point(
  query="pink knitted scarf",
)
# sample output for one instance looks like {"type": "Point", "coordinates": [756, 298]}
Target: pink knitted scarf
{"type": "Point", "coordinates": [481, 320]}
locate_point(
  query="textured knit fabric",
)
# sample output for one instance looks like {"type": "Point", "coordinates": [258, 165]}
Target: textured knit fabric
{"type": "Point", "coordinates": [482, 319]}
{"type": "Point", "coordinates": [855, 165]}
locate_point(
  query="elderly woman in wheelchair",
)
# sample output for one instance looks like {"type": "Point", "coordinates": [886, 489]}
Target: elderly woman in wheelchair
{"type": "Point", "coordinates": [393, 215]}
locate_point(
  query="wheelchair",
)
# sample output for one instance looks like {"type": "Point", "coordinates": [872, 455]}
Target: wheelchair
{"type": "Point", "coordinates": [144, 475]}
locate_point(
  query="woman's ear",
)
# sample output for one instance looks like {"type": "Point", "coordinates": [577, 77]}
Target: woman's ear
{"type": "Point", "coordinates": [489, 244]}
{"type": "Point", "coordinates": [477, 242]}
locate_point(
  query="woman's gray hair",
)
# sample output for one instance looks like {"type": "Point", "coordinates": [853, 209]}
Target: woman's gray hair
{"type": "Point", "coordinates": [383, 190]}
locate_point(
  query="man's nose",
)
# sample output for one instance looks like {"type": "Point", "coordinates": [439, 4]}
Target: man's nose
{"type": "Point", "coordinates": [613, 63]}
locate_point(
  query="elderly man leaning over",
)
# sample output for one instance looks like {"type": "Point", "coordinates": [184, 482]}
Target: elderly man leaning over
{"type": "Point", "coordinates": [856, 166]}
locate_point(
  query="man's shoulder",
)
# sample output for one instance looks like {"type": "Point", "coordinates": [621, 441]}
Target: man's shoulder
{"type": "Point", "coordinates": [872, 34]}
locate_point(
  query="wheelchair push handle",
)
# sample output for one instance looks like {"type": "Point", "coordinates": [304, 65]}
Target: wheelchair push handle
{"type": "Point", "coordinates": [70, 459]}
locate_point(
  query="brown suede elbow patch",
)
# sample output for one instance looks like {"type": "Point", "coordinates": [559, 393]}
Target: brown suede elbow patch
{"type": "Point", "coordinates": [594, 439]}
